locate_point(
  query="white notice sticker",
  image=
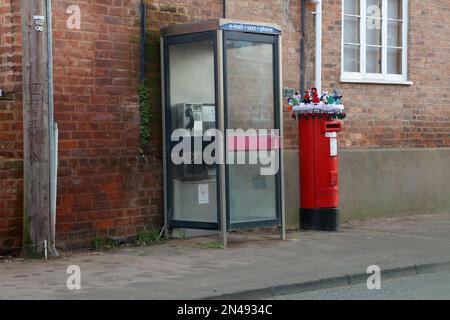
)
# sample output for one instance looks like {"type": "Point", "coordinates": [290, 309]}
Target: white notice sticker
{"type": "Point", "coordinates": [333, 147]}
{"type": "Point", "coordinates": [203, 194]}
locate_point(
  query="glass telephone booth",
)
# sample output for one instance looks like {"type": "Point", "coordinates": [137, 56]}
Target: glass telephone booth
{"type": "Point", "coordinates": [223, 75]}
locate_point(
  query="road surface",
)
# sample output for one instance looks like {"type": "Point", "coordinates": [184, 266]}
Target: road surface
{"type": "Point", "coordinates": [435, 286]}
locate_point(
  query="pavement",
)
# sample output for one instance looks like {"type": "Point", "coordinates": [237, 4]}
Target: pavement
{"type": "Point", "coordinates": [255, 265]}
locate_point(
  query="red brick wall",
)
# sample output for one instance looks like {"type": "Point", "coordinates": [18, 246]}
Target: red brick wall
{"type": "Point", "coordinates": [10, 126]}
{"type": "Point", "coordinates": [105, 186]}
{"type": "Point", "coordinates": [394, 115]}
{"type": "Point", "coordinates": [11, 186]}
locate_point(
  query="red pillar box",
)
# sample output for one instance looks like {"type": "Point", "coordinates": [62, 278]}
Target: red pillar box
{"type": "Point", "coordinates": [319, 189]}
{"type": "Point", "coordinates": [318, 128]}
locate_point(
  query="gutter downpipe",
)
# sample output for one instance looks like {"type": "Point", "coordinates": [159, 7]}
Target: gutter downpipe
{"type": "Point", "coordinates": [53, 133]}
{"type": "Point", "coordinates": [318, 74]}
{"type": "Point", "coordinates": [143, 41]}
{"type": "Point", "coordinates": [224, 14]}
{"type": "Point", "coordinates": [302, 47]}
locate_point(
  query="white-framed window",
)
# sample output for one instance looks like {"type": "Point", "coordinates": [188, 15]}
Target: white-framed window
{"type": "Point", "coordinates": [375, 41]}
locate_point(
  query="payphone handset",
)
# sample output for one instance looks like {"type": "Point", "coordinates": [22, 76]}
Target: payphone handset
{"type": "Point", "coordinates": [197, 118]}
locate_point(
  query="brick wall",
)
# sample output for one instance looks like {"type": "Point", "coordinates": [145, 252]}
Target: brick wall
{"type": "Point", "coordinates": [106, 187]}
{"type": "Point", "coordinates": [11, 186]}
{"type": "Point", "coordinates": [11, 194]}
{"type": "Point", "coordinates": [10, 81]}
{"type": "Point", "coordinates": [395, 115]}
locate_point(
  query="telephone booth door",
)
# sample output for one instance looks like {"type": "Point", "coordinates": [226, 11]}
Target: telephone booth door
{"type": "Point", "coordinates": [191, 105]}
{"type": "Point", "coordinates": [252, 105]}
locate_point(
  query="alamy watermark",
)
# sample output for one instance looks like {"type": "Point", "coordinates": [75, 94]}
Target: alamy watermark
{"type": "Point", "coordinates": [374, 280]}
{"type": "Point", "coordinates": [73, 281]}
{"type": "Point", "coordinates": [251, 147]}
{"type": "Point", "coordinates": [374, 18]}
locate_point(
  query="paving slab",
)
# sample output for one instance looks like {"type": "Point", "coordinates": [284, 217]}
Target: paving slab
{"type": "Point", "coordinates": [193, 269]}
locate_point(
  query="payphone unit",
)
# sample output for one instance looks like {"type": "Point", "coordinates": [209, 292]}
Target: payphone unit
{"type": "Point", "coordinates": [197, 118]}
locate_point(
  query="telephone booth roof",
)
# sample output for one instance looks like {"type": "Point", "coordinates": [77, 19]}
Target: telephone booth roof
{"type": "Point", "coordinates": [221, 24]}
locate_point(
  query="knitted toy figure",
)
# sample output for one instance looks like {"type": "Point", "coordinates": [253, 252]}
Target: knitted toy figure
{"type": "Point", "coordinates": [337, 97]}
{"type": "Point", "coordinates": [324, 97]}
{"type": "Point", "coordinates": [330, 99]}
{"type": "Point", "coordinates": [312, 105]}
{"type": "Point", "coordinates": [295, 100]}
{"type": "Point", "coordinates": [315, 96]}
{"type": "Point", "coordinates": [307, 96]}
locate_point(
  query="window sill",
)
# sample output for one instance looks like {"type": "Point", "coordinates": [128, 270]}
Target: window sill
{"type": "Point", "coordinates": [374, 81]}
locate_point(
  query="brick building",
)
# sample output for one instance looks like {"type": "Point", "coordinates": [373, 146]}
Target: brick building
{"type": "Point", "coordinates": [394, 148]}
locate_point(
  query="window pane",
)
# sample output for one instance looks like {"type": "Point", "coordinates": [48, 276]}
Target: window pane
{"type": "Point", "coordinates": [395, 9]}
{"type": "Point", "coordinates": [373, 60]}
{"type": "Point", "coordinates": [394, 61]}
{"type": "Point", "coordinates": [394, 38]}
{"type": "Point", "coordinates": [373, 33]}
{"type": "Point", "coordinates": [351, 7]}
{"type": "Point", "coordinates": [373, 8]}
{"type": "Point", "coordinates": [192, 73]}
{"type": "Point", "coordinates": [244, 76]}
{"type": "Point", "coordinates": [351, 58]}
{"type": "Point", "coordinates": [351, 30]}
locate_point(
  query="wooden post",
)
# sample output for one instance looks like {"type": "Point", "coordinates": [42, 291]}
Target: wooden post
{"type": "Point", "coordinates": [36, 214]}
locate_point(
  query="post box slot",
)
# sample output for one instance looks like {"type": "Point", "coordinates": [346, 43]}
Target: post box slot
{"type": "Point", "coordinates": [333, 127]}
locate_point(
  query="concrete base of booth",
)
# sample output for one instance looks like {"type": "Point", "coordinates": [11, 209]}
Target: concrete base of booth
{"type": "Point", "coordinates": [320, 219]}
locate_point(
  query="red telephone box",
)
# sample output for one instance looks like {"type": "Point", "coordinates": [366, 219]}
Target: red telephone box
{"type": "Point", "coordinates": [319, 188]}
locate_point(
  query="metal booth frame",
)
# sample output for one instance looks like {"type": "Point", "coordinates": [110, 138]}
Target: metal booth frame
{"type": "Point", "coordinates": [219, 31]}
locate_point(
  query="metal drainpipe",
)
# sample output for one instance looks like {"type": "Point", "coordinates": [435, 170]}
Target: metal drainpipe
{"type": "Point", "coordinates": [224, 9]}
{"type": "Point", "coordinates": [318, 14]}
{"type": "Point", "coordinates": [302, 46]}
{"type": "Point", "coordinates": [143, 39]}
{"type": "Point", "coordinates": [51, 132]}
